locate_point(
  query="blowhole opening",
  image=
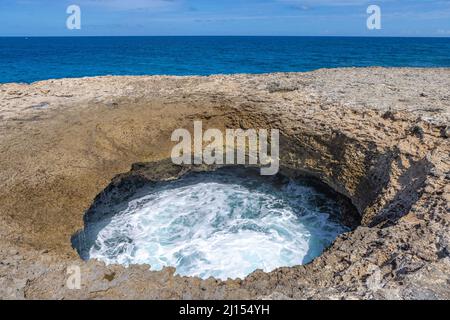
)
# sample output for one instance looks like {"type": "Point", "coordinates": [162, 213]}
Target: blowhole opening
{"type": "Point", "coordinates": [224, 223]}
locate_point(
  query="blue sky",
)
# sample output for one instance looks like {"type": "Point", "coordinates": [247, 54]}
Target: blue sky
{"type": "Point", "coordinates": [225, 17]}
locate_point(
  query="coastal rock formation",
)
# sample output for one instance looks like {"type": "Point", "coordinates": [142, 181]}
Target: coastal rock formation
{"type": "Point", "coordinates": [378, 136]}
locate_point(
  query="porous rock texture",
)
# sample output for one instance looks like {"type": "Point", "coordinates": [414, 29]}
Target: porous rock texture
{"type": "Point", "coordinates": [378, 136]}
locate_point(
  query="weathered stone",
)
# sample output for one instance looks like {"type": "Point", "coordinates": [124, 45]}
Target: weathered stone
{"type": "Point", "coordinates": [346, 127]}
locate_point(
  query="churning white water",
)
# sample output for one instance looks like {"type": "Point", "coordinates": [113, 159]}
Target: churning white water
{"type": "Point", "coordinates": [223, 224]}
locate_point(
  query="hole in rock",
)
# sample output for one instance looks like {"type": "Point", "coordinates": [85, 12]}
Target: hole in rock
{"type": "Point", "coordinates": [224, 223]}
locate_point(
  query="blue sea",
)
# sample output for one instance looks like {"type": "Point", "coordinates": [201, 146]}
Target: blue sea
{"type": "Point", "coordinates": [33, 59]}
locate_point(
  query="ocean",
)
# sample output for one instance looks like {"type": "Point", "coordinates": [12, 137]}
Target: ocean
{"type": "Point", "coordinates": [32, 59]}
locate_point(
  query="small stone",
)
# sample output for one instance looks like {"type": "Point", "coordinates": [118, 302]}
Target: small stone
{"type": "Point", "coordinates": [389, 115]}
{"type": "Point", "coordinates": [445, 132]}
{"type": "Point", "coordinates": [112, 105]}
{"type": "Point", "coordinates": [417, 130]}
{"type": "Point", "coordinates": [42, 105]}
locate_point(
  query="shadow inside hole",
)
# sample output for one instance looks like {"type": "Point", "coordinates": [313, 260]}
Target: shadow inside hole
{"type": "Point", "coordinates": [117, 197]}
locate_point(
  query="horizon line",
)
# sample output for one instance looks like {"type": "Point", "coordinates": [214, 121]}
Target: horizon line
{"type": "Point", "coordinates": [204, 36]}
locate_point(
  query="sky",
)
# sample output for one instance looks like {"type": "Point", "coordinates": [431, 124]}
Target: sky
{"type": "Point", "coordinates": [225, 17]}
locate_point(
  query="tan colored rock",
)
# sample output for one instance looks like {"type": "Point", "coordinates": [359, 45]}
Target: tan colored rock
{"type": "Point", "coordinates": [351, 128]}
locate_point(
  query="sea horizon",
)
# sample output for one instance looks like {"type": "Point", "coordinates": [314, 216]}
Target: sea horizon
{"type": "Point", "coordinates": [221, 36]}
{"type": "Point", "coordinates": [29, 59]}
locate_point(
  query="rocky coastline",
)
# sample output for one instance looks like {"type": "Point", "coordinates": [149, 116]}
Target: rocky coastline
{"type": "Point", "coordinates": [378, 136]}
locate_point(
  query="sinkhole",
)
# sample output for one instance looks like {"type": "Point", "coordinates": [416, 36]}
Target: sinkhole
{"type": "Point", "coordinates": [224, 223]}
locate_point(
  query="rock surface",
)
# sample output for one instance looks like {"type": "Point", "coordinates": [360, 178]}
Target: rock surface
{"type": "Point", "coordinates": [378, 136]}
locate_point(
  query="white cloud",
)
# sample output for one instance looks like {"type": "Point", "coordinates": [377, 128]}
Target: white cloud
{"type": "Point", "coordinates": [443, 32]}
{"type": "Point", "coordinates": [132, 4]}
{"type": "Point", "coordinates": [317, 3]}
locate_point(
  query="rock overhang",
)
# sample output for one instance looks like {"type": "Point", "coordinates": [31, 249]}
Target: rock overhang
{"type": "Point", "coordinates": [62, 156]}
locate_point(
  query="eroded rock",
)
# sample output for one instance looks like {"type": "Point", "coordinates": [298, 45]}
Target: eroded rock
{"type": "Point", "coordinates": [349, 128]}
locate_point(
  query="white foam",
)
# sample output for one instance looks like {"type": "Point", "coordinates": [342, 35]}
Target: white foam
{"type": "Point", "coordinates": [225, 226]}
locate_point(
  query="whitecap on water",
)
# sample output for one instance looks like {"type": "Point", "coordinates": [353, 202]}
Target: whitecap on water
{"type": "Point", "coordinates": [224, 224]}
